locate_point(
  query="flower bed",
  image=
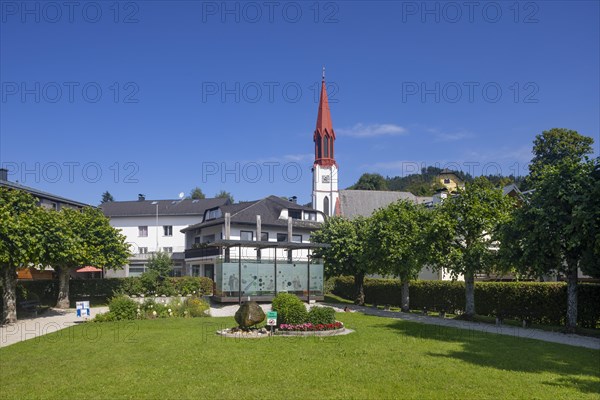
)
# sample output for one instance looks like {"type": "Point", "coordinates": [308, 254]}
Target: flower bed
{"type": "Point", "coordinates": [309, 327]}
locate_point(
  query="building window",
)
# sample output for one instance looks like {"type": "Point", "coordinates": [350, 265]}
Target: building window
{"type": "Point", "coordinates": [282, 237]}
{"type": "Point", "coordinates": [208, 238]}
{"type": "Point", "coordinates": [176, 272]}
{"type": "Point", "coordinates": [326, 205]}
{"type": "Point", "coordinates": [143, 250]}
{"type": "Point", "coordinates": [167, 249]}
{"type": "Point", "coordinates": [326, 146]}
{"type": "Point", "coordinates": [310, 216]}
{"type": "Point", "coordinates": [209, 271]}
{"type": "Point", "coordinates": [297, 238]}
{"type": "Point", "coordinates": [195, 270]}
{"type": "Point", "coordinates": [446, 181]}
{"type": "Point", "coordinates": [213, 214]}
{"type": "Point", "coordinates": [197, 240]}
{"type": "Point", "coordinates": [143, 231]}
{"type": "Point", "coordinates": [168, 230]}
{"type": "Point", "coordinates": [246, 235]}
{"type": "Point", "coordinates": [264, 236]}
{"type": "Point", "coordinates": [136, 269]}
{"type": "Point", "coordinates": [319, 155]}
{"type": "Point", "coordinates": [295, 214]}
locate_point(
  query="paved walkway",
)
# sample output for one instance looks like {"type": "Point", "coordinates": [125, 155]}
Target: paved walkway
{"type": "Point", "coordinates": [56, 319]}
{"type": "Point", "coordinates": [34, 327]}
{"type": "Point", "coordinates": [526, 333]}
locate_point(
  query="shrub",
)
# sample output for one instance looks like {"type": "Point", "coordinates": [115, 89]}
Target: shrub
{"type": "Point", "coordinates": [290, 309]}
{"type": "Point", "coordinates": [122, 307]}
{"type": "Point", "coordinates": [321, 315]}
{"type": "Point", "coordinates": [195, 307]}
{"type": "Point", "coordinates": [537, 302]}
{"type": "Point", "coordinates": [192, 285]}
{"type": "Point", "coordinates": [104, 317]}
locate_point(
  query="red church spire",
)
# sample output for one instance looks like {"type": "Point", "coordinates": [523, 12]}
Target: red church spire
{"type": "Point", "coordinates": [324, 136]}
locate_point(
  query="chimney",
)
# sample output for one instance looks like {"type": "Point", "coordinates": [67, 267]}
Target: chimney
{"type": "Point", "coordinates": [3, 174]}
{"type": "Point", "coordinates": [293, 199]}
{"type": "Point", "coordinates": [141, 197]}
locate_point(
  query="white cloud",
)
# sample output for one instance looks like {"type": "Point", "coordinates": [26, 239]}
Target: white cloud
{"type": "Point", "coordinates": [442, 136]}
{"type": "Point", "coordinates": [373, 130]}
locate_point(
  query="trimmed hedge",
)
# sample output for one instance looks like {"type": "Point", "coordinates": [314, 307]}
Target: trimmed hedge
{"type": "Point", "coordinates": [104, 289]}
{"type": "Point", "coordinates": [536, 302]}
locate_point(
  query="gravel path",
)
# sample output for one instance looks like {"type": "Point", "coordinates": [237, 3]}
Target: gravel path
{"type": "Point", "coordinates": [55, 319]}
{"type": "Point", "coordinates": [526, 333]}
{"type": "Point", "coordinates": [35, 327]}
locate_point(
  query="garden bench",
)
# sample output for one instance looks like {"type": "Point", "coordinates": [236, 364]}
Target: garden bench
{"type": "Point", "coordinates": [30, 306]}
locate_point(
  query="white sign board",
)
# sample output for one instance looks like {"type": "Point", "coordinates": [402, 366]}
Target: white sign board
{"type": "Point", "coordinates": [83, 308]}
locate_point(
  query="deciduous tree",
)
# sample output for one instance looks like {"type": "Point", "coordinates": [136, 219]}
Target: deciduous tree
{"type": "Point", "coordinates": [20, 244]}
{"type": "Point", "coordinates": [347, 255]}
{"type": "Point", "coordinates": [396, 242]}
{"type": "Point", "coordinates": [464, 234]}
{"type": "Point", "coordinates": [557, 229]}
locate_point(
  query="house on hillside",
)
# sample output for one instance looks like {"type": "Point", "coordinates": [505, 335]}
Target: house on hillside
{"type": "Point", "coordinates": [450, 180]}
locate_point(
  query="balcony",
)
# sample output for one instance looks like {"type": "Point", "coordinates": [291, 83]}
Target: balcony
{"type": "Point", "coordinates": [202, 252]}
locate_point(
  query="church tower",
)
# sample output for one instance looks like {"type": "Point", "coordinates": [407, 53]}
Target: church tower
{"type": "Point", "coordinates": [325, 196]}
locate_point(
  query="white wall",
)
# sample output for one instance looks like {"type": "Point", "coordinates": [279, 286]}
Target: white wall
{"type": "Point", "coordinates": [322, 190]}
{"type": "Point", "coordinates": [129, 227]}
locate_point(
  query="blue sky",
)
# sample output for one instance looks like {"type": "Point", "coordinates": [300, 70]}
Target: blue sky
{"type": "Point", "coordinates": [157, 97]}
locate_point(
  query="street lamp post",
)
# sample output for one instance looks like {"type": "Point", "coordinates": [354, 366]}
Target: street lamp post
{"type": "Point", "coordinates": [156, 203]}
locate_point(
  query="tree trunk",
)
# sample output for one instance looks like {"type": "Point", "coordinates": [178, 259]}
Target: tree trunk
{"type": "Point", "coordinates": [63, 288]}
{"type": "Point", "coordinates": [469, 295]}
{"type": "Point", "coordinates": [405, 296]}
{"type": "Point", "coordinates": [9, 295]}
{"type": "Point", "coordinates": [572, 299]}
{"type": "Point", "coordinates": [359, 280]}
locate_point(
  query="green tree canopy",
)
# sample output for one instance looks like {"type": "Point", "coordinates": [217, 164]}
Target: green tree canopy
{"type": "Point", "coordinates": [370, 182]}
{"type": "Point", "coordinates": [396, 242]}
{"type": "Point", "coordinates": [76, 238]}
{"type": "Point", "coordinates": [464, 238]}
{"type": "Point", "coordinates": [106, 197]}
{"type": "Point", "coordinates": [346, 256]}
{"type": "Point", "coordinates": [225, 195]}
{"type": "Point", "coordinates": [20, 244]}
{"type": "Point", "coordinates": [555, 231]}
{"type": "Point", "coordinates": [160, 264]}
{"type": "Point", "coordinates": [197, 194]}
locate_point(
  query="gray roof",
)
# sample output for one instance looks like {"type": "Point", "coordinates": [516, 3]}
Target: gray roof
{"type": "Point", "coordinates": [510, 188]}
{"type": "Point", "coordinates": [43, 195]}
{"type": "Point", "coordinates": [269, 210]}
{"type": "Point", "coordinates": [140, 208]}
{"type": "Point", "coordinates": [355, 203]}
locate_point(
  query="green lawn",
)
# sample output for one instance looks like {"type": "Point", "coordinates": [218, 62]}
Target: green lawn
{"type": "Point", "coordinates": [384, 358]}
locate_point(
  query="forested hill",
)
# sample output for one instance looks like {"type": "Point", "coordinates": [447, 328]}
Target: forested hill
{"type": "Point", "coordinates": [425, 183]}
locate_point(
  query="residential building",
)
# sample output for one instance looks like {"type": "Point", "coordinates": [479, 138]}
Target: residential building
{"type": "Point", "coordinates": [450, 180]}
{"type": "Point", "coordinates": [266, 241]}
{"type": "Point", "coordinates": [45, 199]}
{"type": "Point", "coordinates": [153, 226]}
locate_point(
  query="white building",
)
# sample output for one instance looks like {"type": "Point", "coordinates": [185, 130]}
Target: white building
{"type": "Point", "coordinates": [155, 225]}
{"type": "Point", "coordinates": [256, 249]}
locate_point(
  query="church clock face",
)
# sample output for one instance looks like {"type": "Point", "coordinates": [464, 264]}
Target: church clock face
{"type": "Point", "coordinates": [326, 179]}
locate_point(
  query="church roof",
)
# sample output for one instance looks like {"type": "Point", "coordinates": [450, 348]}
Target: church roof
{"type": "Point", "coordinates": [324, 114]}
{"type": "Point", "coordinates": [355, 203]}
